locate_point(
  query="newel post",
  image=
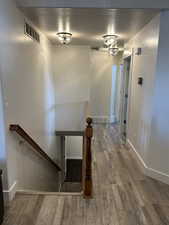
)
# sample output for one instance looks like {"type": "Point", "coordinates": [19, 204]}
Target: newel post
{"type": "Point", "coordinates": [88, 159]}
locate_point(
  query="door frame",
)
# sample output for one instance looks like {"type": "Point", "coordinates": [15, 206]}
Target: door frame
{"type": "Point", "coordinates": [122, 99]}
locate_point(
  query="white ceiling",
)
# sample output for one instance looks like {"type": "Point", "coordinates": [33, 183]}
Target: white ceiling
{"type": "Point", "coordinates": [109, 4]}
{"type": "Point", "coordinates": [88, 25]}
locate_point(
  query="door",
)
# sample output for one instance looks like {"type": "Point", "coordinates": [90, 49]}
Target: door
{"type": "Point", "coordinates": [124, 97]}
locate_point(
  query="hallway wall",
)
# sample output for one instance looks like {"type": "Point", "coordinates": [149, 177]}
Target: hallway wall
{"type": "Point", "coordinates": [3, 165]}
{"type": "Point", "coordinates": [140, 99]}
{"type": "Point", "coordinates": [74, 147]}
{"type": "Point", "coordinates": [158, 155]}
{"type": "Point", "coordinates": [29, 96]}
{"type": "Point", "coordinates": [72, 81]}
{"type": "Point", "coordinates": [101, 84]}
{"type": "Point", "coordinates": [83, 84]}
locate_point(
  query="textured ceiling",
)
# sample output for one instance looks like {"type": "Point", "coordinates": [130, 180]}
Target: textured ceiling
{"type": "Point", "coordinates": [89, 25]}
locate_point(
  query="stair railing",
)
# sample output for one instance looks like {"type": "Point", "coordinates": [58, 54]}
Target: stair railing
{"type": "Point", "coordinates": [36, 148]}
{"type": "Point", "coordinates": [87, 154]}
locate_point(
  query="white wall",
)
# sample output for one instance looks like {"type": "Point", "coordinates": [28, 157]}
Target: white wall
{"type": "Point", "coordinates": [101, 84]}
{"type": "Point", "coordinates": [118, 97]}
{"type": "Point", "coordinates": [148, 129]}
{"type": "Point", "coordinates": [74, 148]}
{"type": "Point", "coordinates": [83, 84]}
{"type": "Point", "coordinates": [72, 82]}
{"type": "Point", "coordinates": [140, 99]}
{"type": "Point", "coordinates": [27, 77]}
{"type": "Point", "coordinates": [116, 93]}
{"type": "Point", "coordinates": [158, 155]}
{"type": "Point", "coordinates": [2, 140]}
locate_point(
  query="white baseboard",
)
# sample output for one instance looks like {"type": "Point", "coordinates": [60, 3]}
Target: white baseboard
{"type": "Point", "coordinates": [147, 170]}
{"type": "Point", "coordinates": [136, 155]}
{"type": "Point", "coordinates": [163, 177]}
{"type": "Point", "coordinates": [30, 192]}
{"type": "Point", "coordinates": [75, 157]}
{"type": "Point", "coordinates": [10, 193]}
{"type": "Point", "coordinates": [100, 119]}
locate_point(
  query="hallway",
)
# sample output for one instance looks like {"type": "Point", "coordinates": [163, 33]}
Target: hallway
{"type": "Point", "coordinates": [122, 194]}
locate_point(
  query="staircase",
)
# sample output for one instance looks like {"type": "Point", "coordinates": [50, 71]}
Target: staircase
{"type": "Point", "coordinates": [81, 184]}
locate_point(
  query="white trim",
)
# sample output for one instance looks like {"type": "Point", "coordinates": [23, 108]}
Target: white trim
{"type": "Point", "coordinates": [122, 88]}
{"type": "Point", "coordinates": [100, 119]}
{"type": "Point", "coordinates": [75, 157]}
{"type": "Point", "coordinates": [10, 193]}
{"type": "Point", "coordinates": [30, 192]}
{"type": "Point", "coordinates": [137, 156]}
{"type": "Point", "coordinates": [163, 177]}
{"type": "Point", "coordinates": [129, 89]}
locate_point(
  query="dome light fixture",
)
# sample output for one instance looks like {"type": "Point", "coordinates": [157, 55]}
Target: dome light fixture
{"type": "Point", "coordinates": [110, 39]}
{"type": "Point", "coordinates": [113, 50]}
{"type": "Point", "coordinates": [64, 37]}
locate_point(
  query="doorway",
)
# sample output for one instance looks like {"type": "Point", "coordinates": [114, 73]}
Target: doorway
{"type": "Point", "coordinates": [125, 97]}
{"type": "Point", "coordinates": [113, 117]}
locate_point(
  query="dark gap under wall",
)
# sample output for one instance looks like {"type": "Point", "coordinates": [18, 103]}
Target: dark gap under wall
{"type": "Point", "coordinates": [74, 170]}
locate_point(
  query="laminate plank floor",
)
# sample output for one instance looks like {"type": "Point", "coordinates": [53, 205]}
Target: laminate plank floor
{"type": "Point", "coordinates": [122, 194]}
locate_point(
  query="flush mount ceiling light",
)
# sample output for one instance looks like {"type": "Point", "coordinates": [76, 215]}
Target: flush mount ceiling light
{"type": "Point", "coordinates": [64, 37]}
{"type": "Point", "coordinates": [110, 39]}
{"type": "Point", "coordinates": [113, 51]}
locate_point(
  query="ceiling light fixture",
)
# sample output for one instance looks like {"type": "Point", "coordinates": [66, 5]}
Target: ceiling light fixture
{"type": "Point", "coordinates": [110, 39]}
{"type": "Point", "coordinates": [113, 50]}
{"type": "Point", "coordinates": [64, 37]}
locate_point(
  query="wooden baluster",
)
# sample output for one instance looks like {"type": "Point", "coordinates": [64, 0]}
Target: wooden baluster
{"type": "Point", "coordinates": [88, 159]}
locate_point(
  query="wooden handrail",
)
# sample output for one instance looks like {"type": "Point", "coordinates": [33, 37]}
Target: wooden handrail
{"type": "Point", "coordinates": [87, 160]}
{"type": "Point", "coordinates": [19, 130]}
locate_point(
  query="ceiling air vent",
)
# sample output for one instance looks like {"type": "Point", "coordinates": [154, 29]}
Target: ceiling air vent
{"type": "Point", "coordinates": [31, 32]}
